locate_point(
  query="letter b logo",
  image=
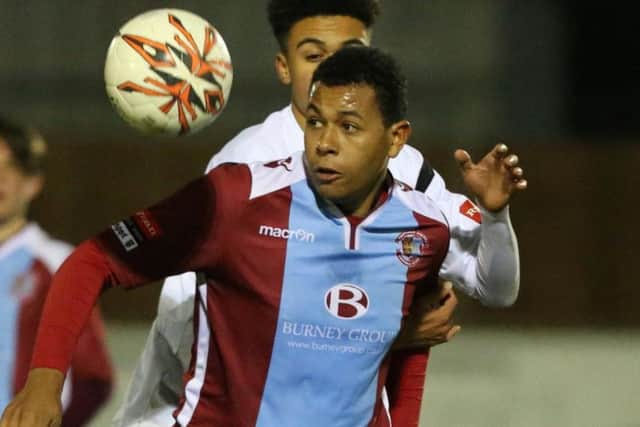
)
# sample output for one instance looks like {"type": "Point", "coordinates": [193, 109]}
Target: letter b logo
{"type": "Point", "coordinates": [346, 301]}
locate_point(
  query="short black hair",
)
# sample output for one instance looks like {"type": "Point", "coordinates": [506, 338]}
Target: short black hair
{"type": "Point", "coordinates": [26, 145]}
{"type": "Point", "coordinates": [283, 14]}
{"type": "Point", "coordinates": [372, 67]}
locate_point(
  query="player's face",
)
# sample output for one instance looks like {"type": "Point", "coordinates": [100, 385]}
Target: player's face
{"type": "Point", "coordinates": [347, 146]}
{"type": "Point", "coordinates": [16, 188]}
{"type": "Point", "coordinates": [311, 41]}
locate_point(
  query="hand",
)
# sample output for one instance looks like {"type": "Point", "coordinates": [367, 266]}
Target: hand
{"type": "Point", "coordinates": [494, 178]}
{"type": "Point", "coordinates": [430, 320]}
{"type": "Point", "coordinates": [38, 403]}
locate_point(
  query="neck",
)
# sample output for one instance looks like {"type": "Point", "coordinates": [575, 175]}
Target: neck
{"type": "Point", "coordinates": [9, 228]}
{"type": "Point", "coordinates": [298, 115]}
{"type": "Point", "coordinates": [363, 206]}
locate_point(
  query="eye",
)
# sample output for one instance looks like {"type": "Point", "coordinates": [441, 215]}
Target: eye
{"type": "Point", "coordinates": [314, 122]}
{"type": "Point", "coordinates": [350, 127]}
{"type": "Point", "coordinates": [314, 57]}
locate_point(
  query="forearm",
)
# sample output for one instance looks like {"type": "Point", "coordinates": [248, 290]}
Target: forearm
{"type": "Point", "coordinates": [405, 386]}
{"type": "Point", "coordinates": [483, 259]}
{"type": "Point", "coordinates": [91, 374]}
{"type": "Point", "coordinates": [498, 265]}
{"type": "Point", "coordinates": [73, 294]}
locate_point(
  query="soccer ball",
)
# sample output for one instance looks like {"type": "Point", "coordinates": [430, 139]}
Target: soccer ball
{"type": "Point", "coordinates": [169, 72]}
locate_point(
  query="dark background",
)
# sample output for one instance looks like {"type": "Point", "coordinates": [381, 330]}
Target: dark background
{"type": "Point", "coordinates": [557, 81]}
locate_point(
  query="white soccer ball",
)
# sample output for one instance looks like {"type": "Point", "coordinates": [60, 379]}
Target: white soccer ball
{"type": "Point", "coordinates": [168, 71]}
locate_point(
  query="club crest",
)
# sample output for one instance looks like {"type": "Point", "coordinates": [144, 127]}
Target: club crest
{"type": "Point", "coordinates": [411, 246]}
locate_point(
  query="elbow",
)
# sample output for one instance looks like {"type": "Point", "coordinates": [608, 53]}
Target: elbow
{"type": "Point", "coordinates": [499, 302]}
{"type": "Point", "coordinates": [504, 299]}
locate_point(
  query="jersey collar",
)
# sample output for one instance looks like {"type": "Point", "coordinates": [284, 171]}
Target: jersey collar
{"type": "Point", "coordinates": [30, 232]}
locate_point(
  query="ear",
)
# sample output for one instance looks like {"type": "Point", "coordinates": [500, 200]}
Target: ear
{"type": "Point", "coordinates": [399, 133]}
{"type": "Point", "coordinates": [33, 187]}
{"type": "Point", "coordinates": [282, 69]}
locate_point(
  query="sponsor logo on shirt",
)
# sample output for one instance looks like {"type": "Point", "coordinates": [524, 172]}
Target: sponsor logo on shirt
{"type": "Point", "coordinates": [411, 247]}
{"type": "Point", "coordinates": [134, 231]}
{"type": "Point", "coordinates": [346, 301]}
{"type": "Point", "coordinates": [470, 210]}
{"type": "Point", "coordinates": [284, 233]}
{"type": "Point", "coordinates": [125, 236]}
{"type": "Point", "coordinates": [404, 187]}
{"type": "Point", "coordinates": [145, 222]}
{"type": "Point", "coordinates": [285, 163]}
{"type": "Point", "coordinates": [335, 333]}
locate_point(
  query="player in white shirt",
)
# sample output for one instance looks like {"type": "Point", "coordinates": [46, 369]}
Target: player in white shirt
{"type": "Point", "coordinates": [157, 385]}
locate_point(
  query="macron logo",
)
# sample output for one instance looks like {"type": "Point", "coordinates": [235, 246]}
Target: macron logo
{"type": "Point", "coordinates": [284, 233]}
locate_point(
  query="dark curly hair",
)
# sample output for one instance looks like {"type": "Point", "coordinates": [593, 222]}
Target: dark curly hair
{"type": "Point", "coordinates": [26, 145]}
{"type": "Point", "coordinates": [372, 67]}
{"type": "Point", "coordinates": [283, 14]}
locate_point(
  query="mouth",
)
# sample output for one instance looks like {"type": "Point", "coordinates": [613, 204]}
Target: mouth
{"type": "Point", "coordinates": [326, 175]}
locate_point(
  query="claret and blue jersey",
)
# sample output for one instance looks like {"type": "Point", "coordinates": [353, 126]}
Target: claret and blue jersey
{"type": "Point", "coordinates": [14, 270]}
{"type": "Point", "coordinates": [300, 308]}
{"type": "Point", "coordinates": [27, 261]}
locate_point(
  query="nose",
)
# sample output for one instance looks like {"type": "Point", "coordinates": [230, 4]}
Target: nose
{"type": "Point", "coordinates": [327, 142]}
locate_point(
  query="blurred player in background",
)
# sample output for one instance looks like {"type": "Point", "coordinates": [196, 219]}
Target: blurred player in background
{"type": "Point", "coordinates": [28, 259]}
{"type": "Point", "coordinates": [304, 335]}
{"type": "Point", "coordinates": [307, 33]}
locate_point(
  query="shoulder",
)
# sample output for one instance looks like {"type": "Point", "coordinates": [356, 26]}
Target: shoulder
{"type": "Point", "coordinates": [51, 252]}
{"type": "Point", "coordinates": [260, 142]}
{"type": "Point", "coordinates": [410, 167]}
{"type": "Point", "coordinates": [230, 178]}
{"type": "Point", "coordinates": [420, 203]}
{"type": "Point", "coordinates": [268, 177]}
{"type": "Point", "coordinates": [238, 148]}
{"type": "Point", "coordinates": [460, 211]}
{"type": "Point", "coordinates": [410, 157]}
{"type": "Point", "coordinates": [252, 180]}
{"type": "Point", "coordinates": [436, 187]}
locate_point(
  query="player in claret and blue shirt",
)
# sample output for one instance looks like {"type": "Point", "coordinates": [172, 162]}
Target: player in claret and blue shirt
{"type": "Point", "coordinates": [28, 259]}
{"type": "Point", "coordinates": [311, 263]}
{"type": "Point", "coordinates": [307, 32]}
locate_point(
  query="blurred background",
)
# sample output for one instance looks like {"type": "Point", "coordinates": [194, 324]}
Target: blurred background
{"type": "Point", "coordinates": [555, 80]}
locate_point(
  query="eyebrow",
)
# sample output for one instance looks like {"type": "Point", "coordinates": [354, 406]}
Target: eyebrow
{"type": "Point", "coordinates": [315, 41]}
{"type": "Point", "coordinates": [312, 107]}
{"type": "Point", "coordinates": [351, 113]}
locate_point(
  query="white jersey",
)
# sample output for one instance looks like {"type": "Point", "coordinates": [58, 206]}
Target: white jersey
{"type": "Point", "coordinates": [155, 390]}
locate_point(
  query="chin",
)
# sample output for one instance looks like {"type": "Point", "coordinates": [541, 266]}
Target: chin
{"type": "Point", "coordinates": [333, 195]}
